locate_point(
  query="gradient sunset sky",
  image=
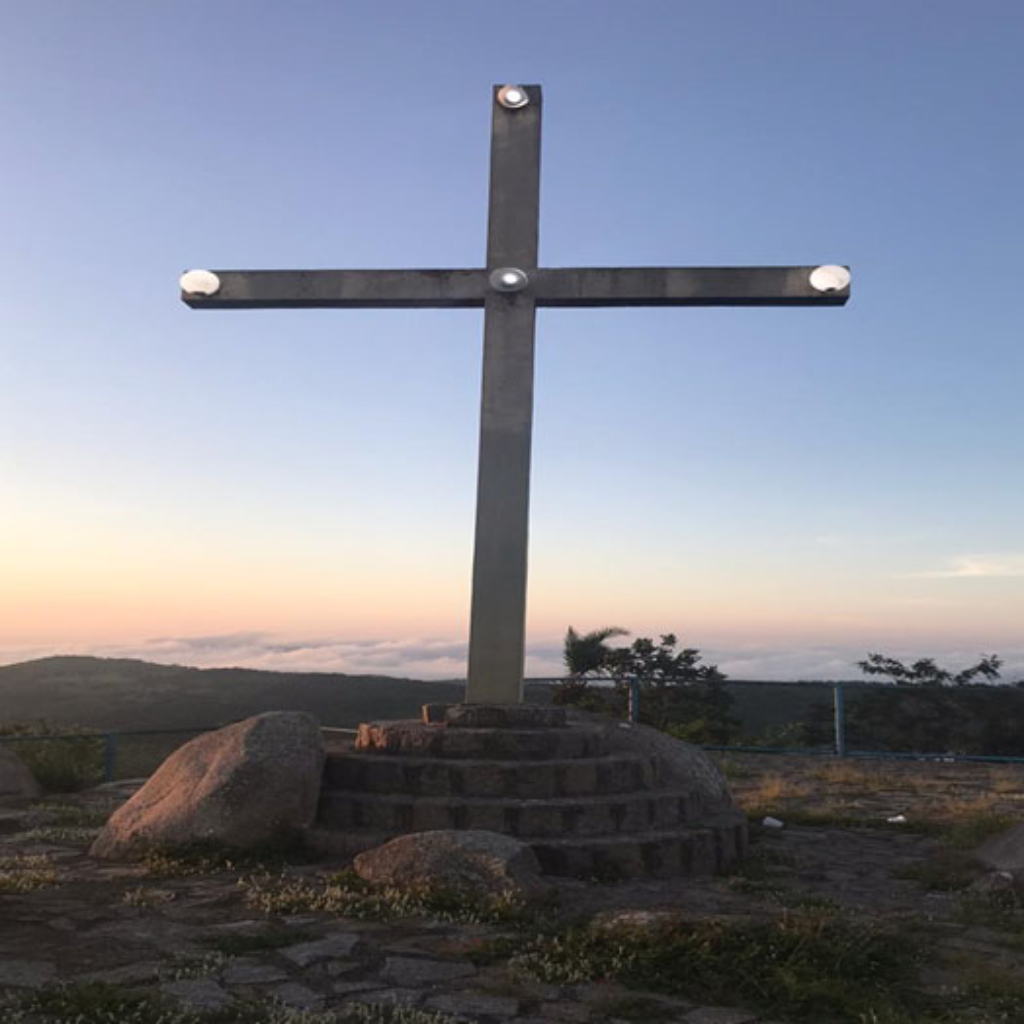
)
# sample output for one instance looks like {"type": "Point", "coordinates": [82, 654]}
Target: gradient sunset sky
{"type": "Point", "coordinates": [786, 489]}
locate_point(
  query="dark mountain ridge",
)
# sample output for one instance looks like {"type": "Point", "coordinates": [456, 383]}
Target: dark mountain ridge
{"type": "Point", "coordinates": [124, 694]}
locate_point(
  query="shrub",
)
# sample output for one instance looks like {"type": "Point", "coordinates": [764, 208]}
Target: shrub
{"type": "Point", "coordinates": [60, 765]}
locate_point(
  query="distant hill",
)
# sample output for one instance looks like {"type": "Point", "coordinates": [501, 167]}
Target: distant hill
{"type": "Point", "coordinates": [121, 694]}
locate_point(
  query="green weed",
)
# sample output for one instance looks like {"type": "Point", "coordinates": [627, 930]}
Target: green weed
{"type": "Point", "coordinates": [208, 858]}
{"type": "Point", "coordinates": [347, 895]}
{"type": "Point", "coordinates": [807, 965]}
{"type": "Point", "coordinates": [944, 871]}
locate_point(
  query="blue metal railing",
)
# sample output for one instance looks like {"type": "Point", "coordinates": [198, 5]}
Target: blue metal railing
{"type": "Point", "coordinates": [113, 748]}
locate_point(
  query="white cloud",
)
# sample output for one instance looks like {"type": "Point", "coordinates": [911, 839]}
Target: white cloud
{"type": "Point", "coordinates": [445, 658]}
{"type": "Point", "coordinates": [1004, 566]}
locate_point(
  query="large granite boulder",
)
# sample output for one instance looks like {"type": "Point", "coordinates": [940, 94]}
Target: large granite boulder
{"type": "Point", "coordinates": [680, 763]}
{"type": "Point", "coordinates": [251, 784]}
{"type": "Point", "coordinates": [484, 863]}
{"type": "Point", "coordinates": [1004, 852]}
{"type": "Point", "coordinates": [16, 781]}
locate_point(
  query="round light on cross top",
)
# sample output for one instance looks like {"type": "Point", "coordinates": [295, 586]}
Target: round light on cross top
{"type": "Point", "coordinates": [509, 279]}
{"type": "Point", "coordinates": [830, 278]}
{"type": "Point", "coordinates": [199, 282]}
{"type": "Point", "coordinates": [513, 96]}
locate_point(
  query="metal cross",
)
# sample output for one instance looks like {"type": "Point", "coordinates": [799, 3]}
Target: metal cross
{"type": "Point", "coordinates": [510, 288]}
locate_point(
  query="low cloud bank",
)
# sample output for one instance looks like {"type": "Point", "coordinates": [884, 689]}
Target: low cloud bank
{"type": "Point", "coordinates": [445, 658]}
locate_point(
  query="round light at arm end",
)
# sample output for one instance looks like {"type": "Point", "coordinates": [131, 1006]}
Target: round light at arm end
{"type": "Point", "coordinates": [830, 278]}
{"type": "Point", "coordinates": [199, 282]}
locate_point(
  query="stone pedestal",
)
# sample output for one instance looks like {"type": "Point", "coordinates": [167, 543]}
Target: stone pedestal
{"type": "Point", "coordinates": [593, 798]}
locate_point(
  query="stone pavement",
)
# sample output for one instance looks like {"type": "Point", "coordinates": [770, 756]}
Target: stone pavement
{"type": "Point", "coordinates": [195, 940]}
{"type": "Point", "coordinates": [118, 924]}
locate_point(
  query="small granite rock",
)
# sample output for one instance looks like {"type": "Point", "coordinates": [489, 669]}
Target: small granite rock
{"type": "Point", "coordinates": [306, 953]}
{"type": "Point", "coordinates": [127, 974]}
{"type": "Point", "coordinates": [388, 996]}
{"type": "Point", "coordinates": [1004, 852]}
{"type": "Point", "coordinates": [197, 993]}
{"type": "Point", "coordinates": [297, 996]}
{"type": "Point", "coordinates": [252, 972]}
{"type": "Point", "coordinates": [346, 988]}
{"type": "Point", "coordinates": [995, 883]}
{"type": "Point", "coordinates": [470, 860]}
{"type": "Point", "coordinates": [252, 783]}
{"type": "Point", "coordinates": [26, 973]}
{"type": "Point", "coordinates": [409, 971]}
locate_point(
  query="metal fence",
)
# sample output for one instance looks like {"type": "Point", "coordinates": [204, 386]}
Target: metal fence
{"type": "Point", "coordinates": [836, 693]}
{"type": "Point", "coordinates": [109, 756]}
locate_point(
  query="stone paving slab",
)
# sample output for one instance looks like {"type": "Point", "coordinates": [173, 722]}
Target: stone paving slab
{"type": "Point", "coordinates": [81, 929]}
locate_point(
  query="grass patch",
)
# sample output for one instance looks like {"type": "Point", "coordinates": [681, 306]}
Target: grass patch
{"type": "Point", "coordinates": [347, 895]}
{"type": "Point", "coordinates": [75, 834]}
{"type": "Point", "coordinates": [209, 965]}
{"type": "Point", "coordinates": [26, 872]}
{"type": "Point", "coordinates": [998, 990]}
{"type": "Point", "coordinates": [141, 896]}
{"type": "Point", "coordinates": [946, 870]}
{"type": "Point", "coordinates": [734, 770]}
{"type": "Point", "coordinates": [205, 858]}
{"type": "Point", "coordinates": [99, 1003]}
{"type": "Point", "coordinates": [808, 965]}
{"type": "Point", "coordinates": [973, 830]}
{"type": "Point", "coordinates": [1003, 913]}
{"type": "Point", "coordinates": [73, 815]}
{"type": "Point", "coordinates": [88, 1003]}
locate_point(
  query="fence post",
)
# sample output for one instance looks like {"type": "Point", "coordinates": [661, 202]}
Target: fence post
{"type": "Point", "coordinates": [839, 709]}
{"type": "Point", "coordinates": [109, 755]}
{"type": "Point", "coordinates": [634, 700]}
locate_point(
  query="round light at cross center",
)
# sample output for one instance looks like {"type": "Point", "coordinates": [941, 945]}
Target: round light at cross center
{"type": "Point", "coordinates": [509, 279]}
{"type": "Point", "coordinates": [830, 278]}
{"type": "Point", "coordinates": [513, 96]}
{"type": "Point", "coordinates": [199, 282]}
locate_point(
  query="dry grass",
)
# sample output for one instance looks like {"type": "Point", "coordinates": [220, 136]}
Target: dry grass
{"type": "Point", "coordinates": [929, 794]}
{"type": "Point", "coordinates": [26, 873]}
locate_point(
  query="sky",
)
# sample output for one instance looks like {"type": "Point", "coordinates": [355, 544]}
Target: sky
{"type": "Point", "coordinates": [784, 489]}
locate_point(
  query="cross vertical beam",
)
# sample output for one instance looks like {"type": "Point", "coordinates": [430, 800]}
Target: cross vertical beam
{"type": "Point", "coordinates": [497, 631]}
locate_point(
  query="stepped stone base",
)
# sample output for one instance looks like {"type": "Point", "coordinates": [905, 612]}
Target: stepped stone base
{"type": "Point", "coordinates": [592, 798]}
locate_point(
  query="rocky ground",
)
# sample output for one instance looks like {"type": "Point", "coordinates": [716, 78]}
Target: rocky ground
{"type": "Point", "coordinates": [195, 937]}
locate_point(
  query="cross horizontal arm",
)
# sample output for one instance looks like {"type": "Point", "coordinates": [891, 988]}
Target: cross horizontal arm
{"type": "Point", "coordinates": [680, 286]}
{"type": "Point", "coordinates": [344, 289]}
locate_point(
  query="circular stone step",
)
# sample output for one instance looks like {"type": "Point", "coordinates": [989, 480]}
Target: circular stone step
{"type": "Point", "coordinates": [610, 814]}
{"type": "Point", "coordinates": [421, 739]}
{"type": "Point", "coordinates": [705, 849]}
{"type": "Point", "coordinates": [426, 776]}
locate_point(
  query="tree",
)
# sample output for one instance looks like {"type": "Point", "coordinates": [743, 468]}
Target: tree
{"type": "Point", "coordinates": [925, 672]}
{"type": "Point", "coordinates": [585, 655]}
{"type": "Point", "coordinates": [677, 693]}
